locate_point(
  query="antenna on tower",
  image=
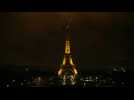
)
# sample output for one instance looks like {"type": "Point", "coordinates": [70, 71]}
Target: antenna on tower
{"type": "Point", "coordinates": [69, 21]}
{"type": "Point", "coordinates": [67, 27]}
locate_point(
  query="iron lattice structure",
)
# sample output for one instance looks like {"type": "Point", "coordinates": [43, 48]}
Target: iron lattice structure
{"type": "Point", "coordinates": [68, 70]}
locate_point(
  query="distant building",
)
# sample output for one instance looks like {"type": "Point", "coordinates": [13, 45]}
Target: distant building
{"type": "Point", "coordinates": [119, 76]}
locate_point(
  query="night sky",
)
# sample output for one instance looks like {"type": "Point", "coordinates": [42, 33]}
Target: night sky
{"type": "Point", "coordinates": [37, 38]}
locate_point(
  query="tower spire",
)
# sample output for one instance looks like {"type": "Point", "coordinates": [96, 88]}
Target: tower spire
{"type": "Point", "coordinates": [67, 25]}
{"type": "Point", "coordinates": [67, 34]}
{"type": "Point", "coordinates": [68, 28]}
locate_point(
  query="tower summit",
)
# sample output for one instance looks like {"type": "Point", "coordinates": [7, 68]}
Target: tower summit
{"type": "Point", "coordinates": [68, 70]}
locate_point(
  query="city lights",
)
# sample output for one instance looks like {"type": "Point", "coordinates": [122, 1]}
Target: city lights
{"type": "Point", "coordinates": [50, 50]}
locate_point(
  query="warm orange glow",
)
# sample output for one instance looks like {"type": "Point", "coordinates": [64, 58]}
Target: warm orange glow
{"type": "Point", "coordinates": [71, 61]}
{"type": "Point", "coordinates": [67, 47]}
{"type": "Point", "coordinates": [64, 61]}
{"type": "Point", "coordinates": [67, 60]}
{"type": "Point", "coordinates": [59, 72]}
{"type": "Point", "coordinates": [75, 71]}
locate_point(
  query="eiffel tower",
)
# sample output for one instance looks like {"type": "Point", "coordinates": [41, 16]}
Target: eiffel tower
{"type": "Point", "coordinates": [68, 71]}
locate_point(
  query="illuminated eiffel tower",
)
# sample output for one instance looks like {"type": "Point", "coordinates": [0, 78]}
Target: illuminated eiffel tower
{"type": "Point", "coordinates": [68, 71]}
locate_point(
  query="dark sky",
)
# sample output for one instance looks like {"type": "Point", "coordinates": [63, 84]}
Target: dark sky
{"type": "Point", "coordinates": [37, 38]}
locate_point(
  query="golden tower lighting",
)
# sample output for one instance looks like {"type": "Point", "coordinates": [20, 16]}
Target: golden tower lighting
{"type": "Point", "coordinates": [68, 70]}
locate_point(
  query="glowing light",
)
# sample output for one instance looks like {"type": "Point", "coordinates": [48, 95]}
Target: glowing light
{"type": "Point", "coordinates": [71, 61]}
{"type": "Point", "coordinates": [123, 69]}
{"type": "Point", "coordinates": [115, 69]}
{"type": "Point", "coordinates": [67, 47]}
{"type": "Point", "coordinates": [75, 71]}
{"type": "Point", "coordinates": [63, 83]}
{"type": "Point", "coordinates": [73, 83]}
{"type": "Point", "coordinates": [7, 85]}
{"type": "Point", "coordinates": [59, 72]}
{"type": "Point", "coordinates": [96, 77]}
{"type": "Point", "coordinates": [13, 80]}
{"type": "Point", "coordinates": [39, 78]}
{"type": "Point", "coordinates": [64, 61]}
{"type": "Point", "coordinates": [84, 84]}
{"type": "Point", "coordinates": [21, 84]}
